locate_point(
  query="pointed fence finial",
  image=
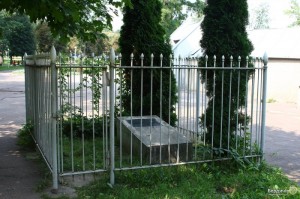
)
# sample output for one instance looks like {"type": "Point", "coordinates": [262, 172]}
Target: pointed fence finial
{"type": "Point", "coordinates": [112, 56]}
{"type": "Point", "coordinates": [53, 54]}
{"type": "Point", "coordinates": [223, 60]}
{"type": "Point", "coordinates": [265, 59]}
{"type": "Point", "coordinates": [231, 61]}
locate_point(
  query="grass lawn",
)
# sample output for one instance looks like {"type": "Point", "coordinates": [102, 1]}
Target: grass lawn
{"type": "Point", "coordinates": [9, 68]}
{"type": "Point", "coordinates": [227, 179]}
{"type": "Point", "coordinates": [218, 180]}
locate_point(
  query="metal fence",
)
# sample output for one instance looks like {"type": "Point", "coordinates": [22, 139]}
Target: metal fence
{"type": "Point", "coordinates": [95, 114]}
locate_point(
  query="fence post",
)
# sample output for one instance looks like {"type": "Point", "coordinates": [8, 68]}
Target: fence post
{"type": "Point", "coordinates": [53, 118]}
{"type": "Point", "coordinates": [111, 115]}
{"type": "Point", "coordinates": [26, 89]}
{"type": "Point", "coordinates": [264, 97]}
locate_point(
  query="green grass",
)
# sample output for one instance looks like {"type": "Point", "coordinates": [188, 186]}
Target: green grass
{"type": "Point", "coordinates": [219, 180]}
{"type": "Point", "coordinates": [10, 68]}
{"type": "Point", "coordinates": [227, 179]}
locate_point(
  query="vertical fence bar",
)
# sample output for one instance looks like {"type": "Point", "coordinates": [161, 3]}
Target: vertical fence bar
{"type": "Point", "coordinates": [222, 101]}
{"type": "Point", "coordinates": [170, 106]}
{"type": "Point", "coordinates": [213, 111]}
{"type": "Point", "coordinates": [237, 103]}
{"type": "Point", "coordinates": [53, 118]}
{"type": "Point", "coordinates": [179, 104]}
{"type": "Point", "coordinates": [252, 105]}
{"type": "Point", "coordinates": [198, 97]}
{"type": "Point", "coordinates": [160, 106]}
{"type": "Point", "coordinates": [151, 105]}
{"type": "Point", "coordinates": [246, 107]}
{"type": "Point", "coordinates": [257, 100]}
{"type": "Point", "coordinates": [111, 116]}
{"type": "Point", "coordinates": [229, 105]}
{"type": "Point", "coordinates": [141, 108]}
{"type": "Point", "coordinates": [263, 119]}
{"type": "Point", "coordinates": [131, 105]}
{"type": "Point", "coordinates": [205, 103]}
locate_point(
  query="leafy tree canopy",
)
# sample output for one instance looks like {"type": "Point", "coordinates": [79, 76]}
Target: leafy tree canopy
{"type": "Point", "coordinates": [259, 18]}
{"type": "Point", "coordinates": [17, 35]}
{"type": "Point", "coordinates": [294, 11]}
{"type": "Point", "coordinates": [173, 13]}
{"type": "Point", "coordinates": [45, 40]}
{"type": "Point", "coordinates": [84, 18]}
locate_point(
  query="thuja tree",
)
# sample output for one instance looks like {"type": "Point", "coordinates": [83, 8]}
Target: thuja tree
{"type": "Point", "coordinates": [142, 33]}
{"type": "Point", "coordinates": [224, 33]}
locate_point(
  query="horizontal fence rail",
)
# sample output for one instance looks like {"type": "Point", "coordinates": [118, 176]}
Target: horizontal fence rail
{"type": "Point", "coordinates": [152, 111]}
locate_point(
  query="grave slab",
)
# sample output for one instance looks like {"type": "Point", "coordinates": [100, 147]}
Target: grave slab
{"type": "Point", "coordinates": [154, 138]}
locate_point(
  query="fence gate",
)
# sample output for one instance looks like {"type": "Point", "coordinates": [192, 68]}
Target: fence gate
{"type": "Point", "coordinates": [95, 114]}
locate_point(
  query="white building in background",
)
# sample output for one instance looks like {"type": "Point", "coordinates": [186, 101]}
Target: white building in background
{"type": "Point", "coordinates": [282, 46]}
{"type": "Point", "coordinates": [185, 40]}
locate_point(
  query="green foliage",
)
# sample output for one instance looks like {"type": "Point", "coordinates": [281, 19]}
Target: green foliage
{"type": "Point", "coordinates": [142, 33]}
{"type": "Point", "coordinates": [224, 33]}
{"type": "Point", "coordinates": [294, 12]}
{"type": "Point", "coordinates": [80, 125]}
{"type": "Point", "coordinates": [25, 139]}
{"type": "Point", "coordinates": [173, 15]}
{"type": "Point", "coordinates": [261, 18]}
{"type": "Point", "coordinates": [80, 156]}
{"type": "Point", "coordinates": [6, 67]}
{"type": "Point", "coordinates": [84, 19]}
{"type": "Point", "coordinates": [18, 33]}
{"type": "Point", "coordinates": [45, 39]}
{"type": "Point", "coordinates": [205, 181]}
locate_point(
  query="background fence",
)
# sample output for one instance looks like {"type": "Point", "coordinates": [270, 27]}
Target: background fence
{"type": "Point", "coordinates": [94, 114]}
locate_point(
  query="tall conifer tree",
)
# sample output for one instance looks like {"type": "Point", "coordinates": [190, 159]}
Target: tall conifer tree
{"type": "Point", "coordinates": [142, 33]}
{"type": "Point", "coordinates": [224, 33]}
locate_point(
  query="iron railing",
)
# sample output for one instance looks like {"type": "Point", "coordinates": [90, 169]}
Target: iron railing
{"type": "Point", "coordinates": [94, 114]}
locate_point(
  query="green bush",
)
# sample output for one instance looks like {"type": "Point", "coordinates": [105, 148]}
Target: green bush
{"type": "Point", "coordinates": [83, 125]}
{"type": "Point", "coordinates": [25, 139]}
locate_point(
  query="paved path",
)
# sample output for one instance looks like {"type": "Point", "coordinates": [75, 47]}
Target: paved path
{"type": "Point", "coordinates": [19, 176]}
{"type": "Point", "coordinates": [283, 138]}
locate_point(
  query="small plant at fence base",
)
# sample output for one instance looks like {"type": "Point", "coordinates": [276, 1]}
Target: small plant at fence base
{"type": "Point", "coordinates": [25, 139]}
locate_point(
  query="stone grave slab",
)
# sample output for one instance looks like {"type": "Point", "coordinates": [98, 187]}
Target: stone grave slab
{"type": "Point", "coordinates": [151, 134]}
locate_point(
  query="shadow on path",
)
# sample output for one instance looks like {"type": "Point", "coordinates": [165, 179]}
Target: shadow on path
{"type": "Point", "coordinates": [282, 144]}
{"type": "Point", "coordinates": [19, 176]}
